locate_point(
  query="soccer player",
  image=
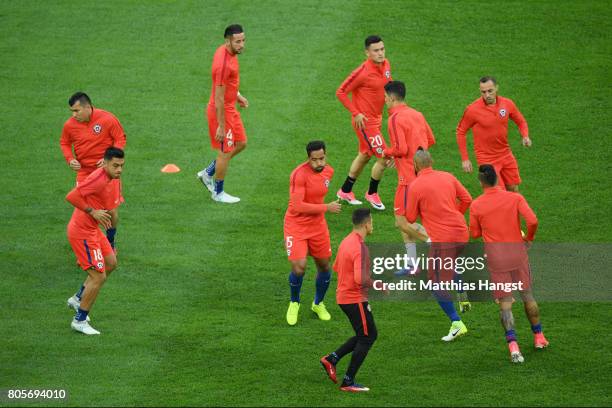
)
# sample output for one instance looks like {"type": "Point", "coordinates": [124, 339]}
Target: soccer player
{"type": "Point", "coordinates": [408, 131]}
{"type": "Point", "coordinates": [91, 199]}
{"type": "Point", "coordinates": [488, 118]}
{"type": "Point", "coordinates": [440, 200]}
{"type": "Point", "coordinates": [352, 266]}
{"type": "Point", "coordinates": [85, 138]}
{"type": "Point", "coordinates": [225, 127]}
{"type": "Point", "coordinates": [306, 230]}
{"type": "Point", "coordinates": [366, 86]}
{"type": "Point", "coordinates": [495, 216]}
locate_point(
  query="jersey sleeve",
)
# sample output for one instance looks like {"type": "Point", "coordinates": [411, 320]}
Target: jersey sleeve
{"type": "Point", "coordinates": [463, 196]}
{"type": "Point", "coordinates": [518, 118]}
{"type": "Point", "coordinates": [91, 185]}
{"type": "Point", "coordinates": [431, 140]}
{"type": "Point", "coordinates": [475, 229]}
{"type": "Point", "coordinates": [464, 125]}
{"type": "Point", "coordinates": [117, 133]}
{"type": "Point", "coordinates": [412, 205]}
{"type": "Point", "coordinates": [220, 71]}
{"type": "Point", "coordinates": [398, 136]}
{"type": "Point", "coordinates": [351, 83]}
{"type": "Point", "coordinates": [296, 197]}
{"type": "Point", "coordinates": [66, 145]}
{"type": "Point", "coordinates": [530, 218]}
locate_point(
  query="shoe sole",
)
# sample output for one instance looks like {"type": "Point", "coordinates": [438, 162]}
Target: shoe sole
{"type": "Point", "coordinates": [205, 185]}
{"type": "Point", "coordinates": [352, 390]}
{"type": "Point", "coordinates": [377, 207]}
{"type": "Point", "coordinates": [348, 202]}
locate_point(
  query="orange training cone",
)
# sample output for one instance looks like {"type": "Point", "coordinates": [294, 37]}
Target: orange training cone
{"type": "Point", "coordinates": [170, 168]}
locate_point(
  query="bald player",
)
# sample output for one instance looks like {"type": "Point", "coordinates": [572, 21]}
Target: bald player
{"type": "Point", "coordinates": [440, 200]}
{"type": "Point", "coordinates": [496, 217]}
{"type": "Point", "coordinates": [488, 118]}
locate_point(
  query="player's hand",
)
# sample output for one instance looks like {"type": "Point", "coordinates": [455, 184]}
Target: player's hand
{"type": "Point", "coordinates": [360, 120]}
{"type": "Point", "coordinates": [334, 207]}
{"type": "Point", "coordinates": [75, 165]}
{"type": "Point", "coordinates": [220, 135]}
{"type": "Point", "coordinates": [528, 244]}
{"type": "Point", "coordinates": [467, 166]}
{"type": "Point", "coordinates": [527, 141]}
{"type": "Point", "coordinates": [390, 163]}
{"type": "Point", "coordinates": [103, 217]}
{"type": "Point", "coordinates": [100, 163]}
{"type": "Point", "coordinates": [242, 101]}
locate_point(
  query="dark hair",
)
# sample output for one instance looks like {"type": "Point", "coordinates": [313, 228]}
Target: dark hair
{"type": "Point", "coordinates": [113, 152]}
{"type": "Point", "coordinates": [396, 88]}
{"type": "Point", "coordinates": [373, 39]}
{"type": "Point", "coordinates": [232, 29]}
{"type": "Point", "coordinates": [79, 97]}
{"type": "Point", "coordinates": [486, 79]}
{"type": "Point", "coordinates": [314, 146]}
{"type": "Point", "coordinates": [487, 174]}
{"type": "Point", "coordinates": [361, 215]}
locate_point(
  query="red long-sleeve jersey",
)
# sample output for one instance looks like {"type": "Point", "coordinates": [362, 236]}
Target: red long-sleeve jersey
{"type": "Point", "coordinates": [352, 265]}
{"type": "Point", "coordinates": [489, 124]}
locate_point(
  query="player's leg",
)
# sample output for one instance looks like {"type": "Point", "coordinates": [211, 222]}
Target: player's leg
{"type": "Point", "coordinates": [297, 250]}
{"type": "Point", "coordinates": [533, 314]}
{"type": "Point", "coordinates": [206, 175]}
{"type": "Point", "coordinates": [346, 191]}
{"type": "Point", "coordinates": [240, 139]}
{"type": "Point", "coordinates": [321, 285]}
{"type": "Point", "coordinates": [234, 133]}
{"type": "Point", "coordinates": [509, 174]}
{"type": "Point", "coordinates": [377, 145]}
{"type": "Point", "coordinates": [110, 233]}
{"type": "Point", "coordinates": [507, 322]}
{"type": "Point", "coordinates": [366, 331]}
{"type": "Point", "coordinates": [110, 257]}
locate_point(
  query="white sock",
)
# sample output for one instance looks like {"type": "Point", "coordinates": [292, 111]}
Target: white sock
{"type": "Point", "coordinates": [411, 252]}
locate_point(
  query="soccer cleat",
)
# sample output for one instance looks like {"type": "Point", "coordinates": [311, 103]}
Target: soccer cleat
{"type": "Point", "coordinates": [540, 341]}
{"type": "Point", "coordinates": [74, 303]}
{"type": "Point", "coordinates": [348, 197]}
{"type": "Point", "coordinates": [321, 311]}
{"type": "Point", "coordinates": [354, 388]}
{"type": "Point", "coordinates": [457, 329]}
{"type": "Point", "coordinates": [374, 200]}
{"type": "Point", "coordinates": [406, 271]}
{"type": "Point", "coordinates": [292, 313]}
{"type": "Point", "coordinates": [329, 368]}
{"type": "Point", "coordinates": [206, 180]}
{"type": "Point", "coordinates": [83, 327]}
{"type": "Point", "coordinates": [223, 197]}
{"type": "Point", "coordinates": [515, 353]}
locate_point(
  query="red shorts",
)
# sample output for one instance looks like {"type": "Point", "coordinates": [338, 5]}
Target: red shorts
{"type": "Point", "coordinates": [371, 141]}
{"type": "Point", "coordinates": [316, 245]}
{"type": "Point", "coordinates": [439, 268]}
{"type": "Point", "coordinates": [522, 275]}
{"type": "Point", "coordinates": [90, 253]}
{"type": "Point", "coordinates": [401, 200]}
{"type": "Point", "coordinates": [234, 130]}
{"type": "Point", "coordinates": [507, 171]}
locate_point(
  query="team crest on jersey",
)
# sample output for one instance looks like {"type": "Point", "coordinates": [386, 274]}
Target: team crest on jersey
{"type": "Point", "coordinates": [230, 143]}
{"type": "Point", "coordinates": [97, 128]}
{"type": "Point", "coordinates": [379, 150]}
{"type": "Point", "coordinates": [326, 183]}
{"type": "Point", "coordinates": [388, 74]}
{"type": "Point", "coordinates": [502, 113]}
{"type": "Point", "coordinates": [100, 265]}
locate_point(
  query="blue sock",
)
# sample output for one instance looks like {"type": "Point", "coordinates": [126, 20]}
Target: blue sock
{"type": "Point", "coordinates": [458, 280]}
{"type": "Point", "coordinates": [536, 328]}
{"type": "Point", "coordinates": [218, 186]}
{"type": "Point", "coordinates": [81, 315]}
{"type": "Point", "coordinates": [110, 235]}
{"type": "Point", "coordinates": [322, 283]}
{"type": "Point", "coordinates": [449, 309]}
{"type": "Point", "coordinates": [79, 294]}
{"type": "Point", "coordinates": [510, 336]}
{"type": "Point", "coordinates": [210, 170]}
{"type": "Point", "coordinates": [295, 283]}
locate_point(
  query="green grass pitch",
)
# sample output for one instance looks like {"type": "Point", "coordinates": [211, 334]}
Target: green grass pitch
{"type": "Point", "coordinates": [195, 313]}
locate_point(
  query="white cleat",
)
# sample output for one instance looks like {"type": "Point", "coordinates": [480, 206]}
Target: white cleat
{"type": "Point", "coordinates": [223, 197]}
{"type": "Point", "coordinates": [83, 327]}
{"type": "Point", "coordinates": [207, 180]}
{"type": "Point", "coordinates": [74, 303]}
{"type": "Point", "coordinates": [517, 357]}
{"type": "Point", "coordinates": [457, 329]}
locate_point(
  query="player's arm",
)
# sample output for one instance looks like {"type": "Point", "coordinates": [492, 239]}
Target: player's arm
{"type": "Point", "coordinates": [361, 276]}
{"type": "Point", "coordinates": [398, 136]}
{"type": "Point", "coordinates": [530, 219]}
{"type": "Point", "coordinates": [220, 111]}
{"type": "Point", "coordinates": [297, 194]}
{"type": "Point", "coordinates": [463, 196]}
{"type": "Point", "coordinates": [412, 206]}
{"type": "Point", "coordinates": [431, 140]}
{"type": "Point", "coordinates": [464, 125]}
{"type": "Point", "coordinates": [77, 199]}
{"type": "Point", "coordinates": [66, 146]}
{"type": "Point", "coordinates": [518, 118]}
{"type": "Point", "coordinates": [242, 101]}
{"type": "Point", "coordinates": [475, 229]}
{"type": "Point", "coordinates": [352, 82]}
{"type": "Point", "coordinates": [118, 135]}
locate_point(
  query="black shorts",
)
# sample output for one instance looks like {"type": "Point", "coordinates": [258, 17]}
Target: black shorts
{"type": "Point", "coordinates": [360, 316]}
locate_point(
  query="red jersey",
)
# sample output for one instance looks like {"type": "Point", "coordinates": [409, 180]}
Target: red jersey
{"type": "Point", "coordinates": [408, 130]}
{"type": "Point", "coordinates": [225, 72]}
{"type": "Point", "coordinates": [433, 197]}
{"type": "Point", "coordinates": [307, 190]}
{"type": "Point", "coordinates": [353, 268]}
{"type": "Point", "coordinates": [96, 190]}
{"type": "Point", "coordinates": [91, 139]}
{"type": "Point", "coordinates": [496, 216]}
{"type": "Point", "coordinates": [367, 86]}
{"type": "Point", "coordinates": [489, 124]}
